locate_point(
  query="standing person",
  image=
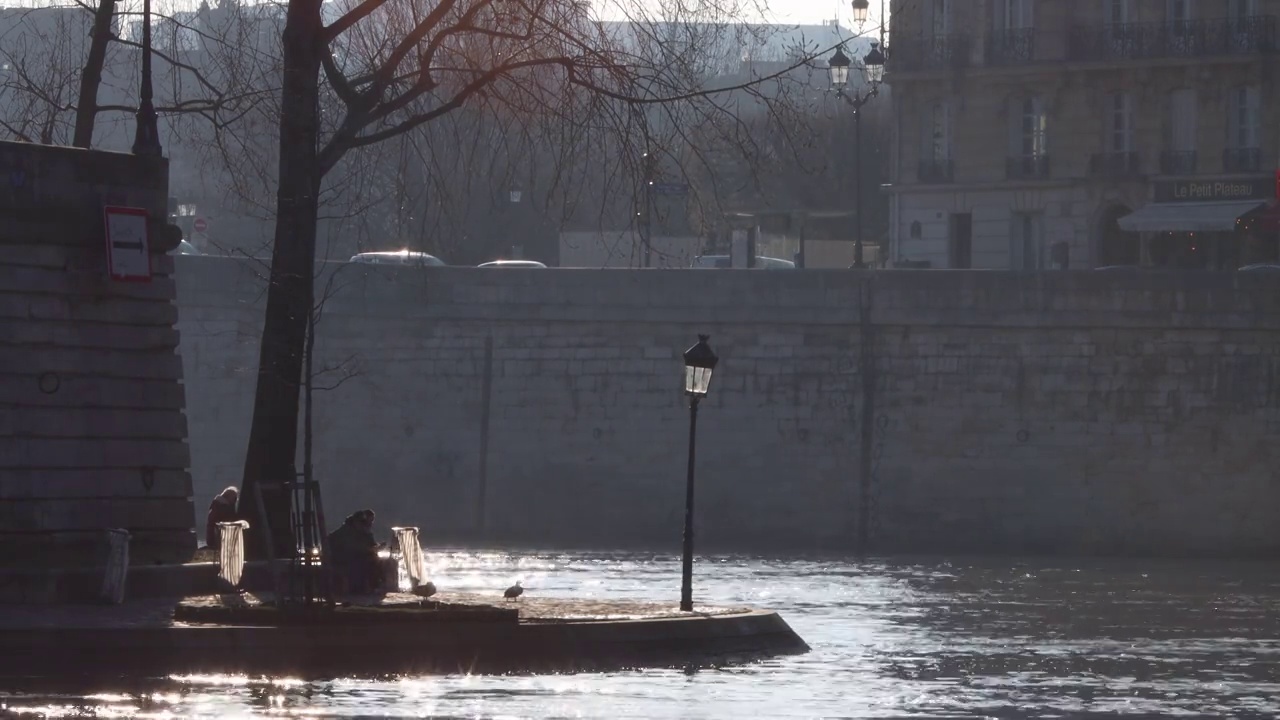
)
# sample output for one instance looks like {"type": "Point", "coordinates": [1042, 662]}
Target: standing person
{"type": "Point", "coordinates": [222, 509]}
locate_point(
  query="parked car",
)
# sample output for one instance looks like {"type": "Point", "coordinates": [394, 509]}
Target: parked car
{"type": "Point", "coordinates": [186, 248]}
{"type": "Point", "coordinates": [398, 257]}
{"type": "Point", "coordinates": [721, 262]}
{"type": "Point", "coordinates": [513, 264]}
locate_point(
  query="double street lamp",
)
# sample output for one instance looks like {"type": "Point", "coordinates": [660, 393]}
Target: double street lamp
{"type": "Point", "coordinates": [699, 362]}
{"type": "Point", "coordinates": [873, 68]}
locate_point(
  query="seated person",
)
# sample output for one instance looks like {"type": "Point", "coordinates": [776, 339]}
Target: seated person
{"type": "Point", "coordinates": [222, 509]}
{"type": "Point", "coordinates": [353, 554]}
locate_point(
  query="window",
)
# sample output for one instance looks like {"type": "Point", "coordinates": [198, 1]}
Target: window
{"type": "Point", "coordinates": [1029, 130]}
{"type": "Point", "coordinates": [939, 20]}
{"type": "Point", "coordinates": [1017, 14]}
{"type": "Point", "coordinates": [1119, 123]}
{"type": "Point", "coordinates": [1179, 12]}
{"type": "Point", "coordinates": [960, 242]}
{"type": "Point", "coordinates": [1239, 11]}
{"type": "Point", "coordinates": [1182, 121]}
{"type": "Point", "coordinates": [938, 132]}
{"type": "Point", "coordinates": [1243, 121]}
{"type": "Point", "coordinates": [1115, 12]}
{"type": "Point", "coordinates": [1025, 241]}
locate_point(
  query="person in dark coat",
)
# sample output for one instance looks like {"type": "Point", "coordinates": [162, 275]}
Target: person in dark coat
{"type": "Point", "coordinates": [353, 552]}
{"type": "Point", "coordinates": [222, 509]}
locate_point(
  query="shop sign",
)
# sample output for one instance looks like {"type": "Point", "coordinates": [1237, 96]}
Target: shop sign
{"type": "Point", "coordinates": [1260, 188]}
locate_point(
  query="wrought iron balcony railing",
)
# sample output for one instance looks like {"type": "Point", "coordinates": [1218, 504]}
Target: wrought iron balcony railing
{"type": "Point", "coordinates": [1178, 162]}
{"type": "Point", "coordinates": [1194, 38]}
{"type": "Point", "coordinates": [1241, 160]}
{"type": "Point", "coordinates": [1011, 47]}
{"type": "Point", "coordinates": [935, 52]}
{"type": "Point", "coordinates": [1027, 167]}
{"type": "Point", "coordinates": [936, 172]}
{"type": "Point", "coordinates": [1115, 164]}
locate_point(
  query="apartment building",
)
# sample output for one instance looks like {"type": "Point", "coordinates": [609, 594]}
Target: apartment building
{"type": "Point", "coordinates": [1035, 134]}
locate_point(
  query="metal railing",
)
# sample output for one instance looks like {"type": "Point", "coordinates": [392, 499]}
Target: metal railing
{"type": "Point", "coordinates": [1241, 160]}
{"type": "Point", "coordinates": [936, 52]}
{"type": "Point", "coordinates": [1115, 164]}
{"type": "Point", "coordinates": [1027, 167]}
{"type": "Point", "coordinates": [936, 172]}
{"type": "Point", "coordinates": [1192, 38]}
{"type": "Point", "coordinates": [1011, 47]}
{"type": "Point", "coordinates": [1178, 162]}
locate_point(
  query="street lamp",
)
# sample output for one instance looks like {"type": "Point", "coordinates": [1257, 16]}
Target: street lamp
{"type": "Point", "coordinates": [146, 138]}
{"type": "Point", "coordinates": [873, 69]}
{"type": "Point", "coordinates": [860, 8]}
{"type": "Point", "coordinates": [699, 362]}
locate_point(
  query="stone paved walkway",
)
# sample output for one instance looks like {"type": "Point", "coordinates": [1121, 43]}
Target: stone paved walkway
{"type": "Point", "coordinates": [159, 612]}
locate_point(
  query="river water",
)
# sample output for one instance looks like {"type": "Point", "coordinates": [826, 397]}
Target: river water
{"type": "Point", "coordinates": [936, 639]}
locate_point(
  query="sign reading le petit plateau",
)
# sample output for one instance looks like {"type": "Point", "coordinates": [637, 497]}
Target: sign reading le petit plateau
{"type": "Point", "coordinates": [1209, 190]}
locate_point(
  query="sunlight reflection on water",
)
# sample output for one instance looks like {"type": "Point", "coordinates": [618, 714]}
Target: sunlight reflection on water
{"type": "Point", "coordinates": [927, 639]}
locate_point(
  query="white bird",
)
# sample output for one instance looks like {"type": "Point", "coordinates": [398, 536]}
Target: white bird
{"type": "Point", "coordinates": [513, 592]}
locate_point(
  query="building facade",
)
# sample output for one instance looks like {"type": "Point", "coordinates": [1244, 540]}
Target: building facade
{"type": "Point", "coordinates": [1036, 134]}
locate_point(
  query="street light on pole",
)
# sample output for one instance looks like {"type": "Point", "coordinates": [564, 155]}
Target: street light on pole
{"type": "Point", "coordinates": [873, 69]}
{"type": "Point", "coordinates": [699, 362]}
{"type": "Point", "coordinates": [860, 8]}
{"type": "Point", "coordinates": [146, 139]}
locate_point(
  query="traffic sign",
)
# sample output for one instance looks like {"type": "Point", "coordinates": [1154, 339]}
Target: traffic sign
{"type": "Point", "coordinates": [200, 225]}
{"type": "Point", "coordinates": [128, 247]}
{"type": "Point", "coordinates": [670, 189]}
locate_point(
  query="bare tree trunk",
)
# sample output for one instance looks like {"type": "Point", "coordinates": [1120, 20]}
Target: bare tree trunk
{"type": "Point", "coordinates": [91, 78]}
{"type": "Point", "coordinates": [272, 451]}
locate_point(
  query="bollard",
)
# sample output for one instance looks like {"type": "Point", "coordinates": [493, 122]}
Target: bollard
{"type": "Point", "coordinates": [231, 553]}
{"type": "Point", "coordinates": [116, 571]}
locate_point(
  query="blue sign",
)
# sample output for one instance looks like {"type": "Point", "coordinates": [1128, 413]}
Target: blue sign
{"type": "Point", "coordinates": [670, 189]}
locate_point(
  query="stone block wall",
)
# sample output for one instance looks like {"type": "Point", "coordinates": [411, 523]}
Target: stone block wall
{"type": "Point", "coordinates": [1010, 412]}
{"type": "Point", "coordinates": [92, 430]}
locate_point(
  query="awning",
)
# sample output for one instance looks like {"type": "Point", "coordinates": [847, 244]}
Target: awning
{"type": "Point", "coordinates": [1188, 217]}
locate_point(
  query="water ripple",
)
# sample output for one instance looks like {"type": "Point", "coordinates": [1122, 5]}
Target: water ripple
{"type": "Point", "coordinates": [912, 639]}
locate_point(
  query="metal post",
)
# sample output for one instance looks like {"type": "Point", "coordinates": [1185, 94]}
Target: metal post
{"type": "Point", "coordinates": [146, 139]}
{"type": "Point", "coordinates": [857, 187]}
{"type": "Point", "coordinates": [686, 577]}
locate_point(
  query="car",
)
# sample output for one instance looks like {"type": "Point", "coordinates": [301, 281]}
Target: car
{"type": "Point", "coordinates": [398, 257]}
{"type": "Point", "coordinates": [186, 248]}
{"type": "Point", "coordinates": [1260, 266]}
{"type": "Point", "coordinates": [513, 264]}
{"type": "Point", "coordinates": [722, 262]}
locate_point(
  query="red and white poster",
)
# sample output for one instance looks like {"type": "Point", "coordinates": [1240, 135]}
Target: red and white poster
{"type": "Point", "coordinates": [128, 245]}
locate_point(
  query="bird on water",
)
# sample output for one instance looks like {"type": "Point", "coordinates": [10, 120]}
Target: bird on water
{"type": "Point", "coordinates": [513, 592]}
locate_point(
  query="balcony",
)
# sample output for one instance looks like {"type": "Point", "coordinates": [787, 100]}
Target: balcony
{"type": "Point", "coordinates": [1178, 162]}
{"type": "Point", "coordinates": [936, 52]}
{"type": "Point", "coordinates": [1241, 160]}
{"type": "Point", "coordinates": [1115, 165]}
{"type": "Point", "coordinates": [1027, 167]}
{"type": "Point", "coordinates": [1011, 47]}
{"type": "Point", "coordinates": [936, 172]}
{"type": "Point", "coordinates": [1196, 38]}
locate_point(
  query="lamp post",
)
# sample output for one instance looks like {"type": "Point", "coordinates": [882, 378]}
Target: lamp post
{"type": "Point", "coordinates": [860, 8]}
{"type": "Point", "coordinates": [146, 139]}
{"type": "Point", "coordinates": [699, 362]}
{"type": "Point", "coordinates": [873, 67]}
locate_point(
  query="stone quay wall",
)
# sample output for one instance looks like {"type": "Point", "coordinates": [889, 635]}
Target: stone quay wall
{"type": "Point", "coordinates": [92, 431]}
{"type": "Point", "coordinates": [1074, 413]}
